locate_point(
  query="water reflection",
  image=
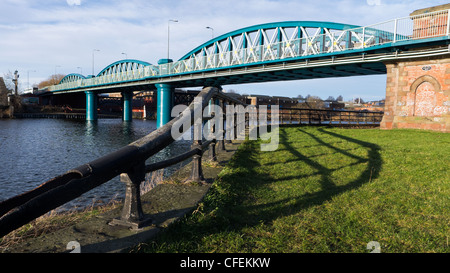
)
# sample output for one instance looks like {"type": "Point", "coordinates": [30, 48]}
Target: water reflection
{"type": "Point", "coordinates": [36, 150]}
{"type": "Point", "coordinates": [91, 127]}
{"type": "Point", "coordinates": [127, 128]}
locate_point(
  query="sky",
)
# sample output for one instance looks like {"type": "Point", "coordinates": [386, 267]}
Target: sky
{"type": "Point", "coordinates": [41, 38]}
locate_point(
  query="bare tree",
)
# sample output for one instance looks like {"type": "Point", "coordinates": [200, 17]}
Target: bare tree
{"type": "Point", "coordinates": [314, 102]}
{"type": "Point", "coordinates": [8, 79]}
{"type": "Point", "coordinates": [53, 79]}
{"type": "Point", "coordinates": [331, 98]}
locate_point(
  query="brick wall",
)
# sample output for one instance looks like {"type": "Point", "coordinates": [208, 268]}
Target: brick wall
{"type": "Point", "coordinates": [430, 25]}
{"type": "Point", "coordinates": [418, 95]}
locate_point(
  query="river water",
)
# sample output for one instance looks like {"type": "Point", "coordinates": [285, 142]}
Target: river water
{"type": "Point", "coordinates": [33, 151]}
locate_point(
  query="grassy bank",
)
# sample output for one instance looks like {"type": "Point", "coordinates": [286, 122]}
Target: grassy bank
{"type": "Point", "coordinates": [325, 190]}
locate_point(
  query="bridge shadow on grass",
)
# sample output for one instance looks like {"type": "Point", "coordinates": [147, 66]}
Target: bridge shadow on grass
{"type": "Point", "coordinates": [267, 212]}
{"type": "Point", "coordinates": [237, 199]}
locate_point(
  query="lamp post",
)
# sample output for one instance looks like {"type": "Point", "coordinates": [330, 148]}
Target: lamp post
{"type": "Point", "coordinates": [212, 32]}
{"type": "Point", "coordinates": [168, 35]}
{"type": "Point", "coordinates": [93, 51]}
{"type": "Point", "coordinates": [126, 55]}
{"type": "Point", "coordinates": [16, 82]}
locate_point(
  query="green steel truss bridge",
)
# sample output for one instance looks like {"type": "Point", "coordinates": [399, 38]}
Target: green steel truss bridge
{"type": "Point", "coordinates": [280, 51]}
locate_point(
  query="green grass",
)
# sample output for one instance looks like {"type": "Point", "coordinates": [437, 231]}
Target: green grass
{"type": "Point", "coordinates": [325, 190]}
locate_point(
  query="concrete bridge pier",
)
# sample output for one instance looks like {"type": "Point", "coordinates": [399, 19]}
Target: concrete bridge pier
{"type": "Point", "coordinates": [164, 94]}
{"type": "Point", "coordinates": [91, 105]}
{"type": "Point", "coordinates": [164, 100]}
{"type": "Point", "coordinates": [127, 105]}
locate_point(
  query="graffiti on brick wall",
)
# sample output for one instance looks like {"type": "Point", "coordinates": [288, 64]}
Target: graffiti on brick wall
{"type": "Point", "coordinates": [425, 100]}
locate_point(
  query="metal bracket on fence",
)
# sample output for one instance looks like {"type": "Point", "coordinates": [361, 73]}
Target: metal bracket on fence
{"type": "Point", "coordinates": [197, 172]}
{"type": "Point", "coordinates": [212, 151]}
{"type": "Point", "coordinates": [132, 214]}
{"type": "Point", "coordinates": [221, 142]}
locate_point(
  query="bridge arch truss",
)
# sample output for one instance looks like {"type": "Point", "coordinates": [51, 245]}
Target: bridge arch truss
{"type": "Point", "coordinates": [125, 70]}
{"type": "Point", "coordinates": [268, 43]}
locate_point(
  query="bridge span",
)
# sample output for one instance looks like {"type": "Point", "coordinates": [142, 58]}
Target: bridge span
{"type": "Point", "coordinates": [294, 50]}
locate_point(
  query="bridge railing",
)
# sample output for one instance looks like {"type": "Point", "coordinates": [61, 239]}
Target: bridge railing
{"type": "Point", "coordinates": [429, 25]}
{"type": "Point", "coordinates": [128, 162]}
{"type": "Point", "coordinates": [423, 26]}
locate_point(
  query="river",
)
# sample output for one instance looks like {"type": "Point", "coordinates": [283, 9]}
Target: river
{"type": "Point", "coordinates": [33, 151]}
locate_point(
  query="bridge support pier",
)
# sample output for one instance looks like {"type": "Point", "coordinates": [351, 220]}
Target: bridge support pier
{"type": "Point", "coordinates": [418, 94]}
{"type": "Point", "coordinates": [127, 105]}
{"type": "Point", "coordinates": [164, 104]}
{"type": "Point", "coordinates": [91, 105]}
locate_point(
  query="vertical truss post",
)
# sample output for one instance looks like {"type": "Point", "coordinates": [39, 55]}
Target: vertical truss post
{"type": "Point", "coordinates": [132, 215]}
{"type": "Point", "coordinates": [395, 30]}
{"type": "Point", "coordinates": [349, 39]}
{"type": "Point", "coordinates": [364, 35]}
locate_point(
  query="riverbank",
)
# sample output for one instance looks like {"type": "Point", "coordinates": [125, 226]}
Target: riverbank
{"type": "Point", "coordinates": [324, 190]}
{"type": "Point", "coordinates": [166, 203]}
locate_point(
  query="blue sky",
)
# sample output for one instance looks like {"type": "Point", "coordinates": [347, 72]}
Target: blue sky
{"type": "Point", "coordinates": [41, 37]}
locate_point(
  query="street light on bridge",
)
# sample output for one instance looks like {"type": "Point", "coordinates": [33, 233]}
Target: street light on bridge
{"type": "Point", "coordinates": [212, 32]}
{"type": "Point", "coordinates": [168, 35]}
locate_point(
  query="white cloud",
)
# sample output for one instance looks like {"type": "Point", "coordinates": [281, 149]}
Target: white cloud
{"type": "Point", "coordinates": [74, 2]}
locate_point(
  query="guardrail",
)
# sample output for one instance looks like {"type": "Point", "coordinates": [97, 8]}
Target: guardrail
{"type": "Point", "coordinates": [128, 162]}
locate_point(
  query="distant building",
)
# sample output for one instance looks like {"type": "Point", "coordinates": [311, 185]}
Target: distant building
{"type": "Point", "coordinates": [333, 105]}
{"type": "Point", "coordinates": [30, 99]}
{"type": "Point", "coordinates": [285, 102]}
